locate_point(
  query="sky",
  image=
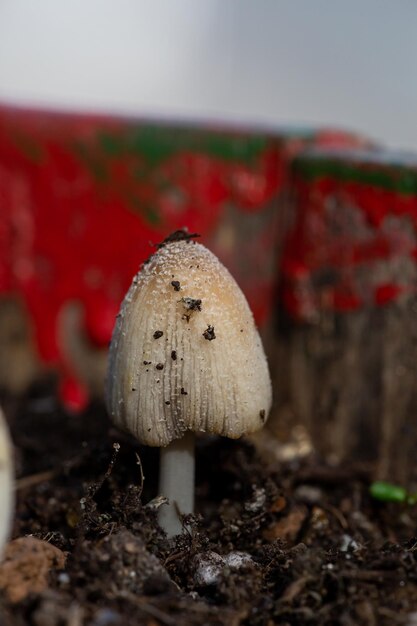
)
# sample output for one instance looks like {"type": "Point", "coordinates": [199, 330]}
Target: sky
{"type": "Point", "coordinates": [270, 62]}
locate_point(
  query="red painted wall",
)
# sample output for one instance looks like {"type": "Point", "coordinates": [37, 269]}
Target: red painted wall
{"type": "Point", "coordinates": [353, 242]}
{"type": "Point", "coordinates": [84, 198]}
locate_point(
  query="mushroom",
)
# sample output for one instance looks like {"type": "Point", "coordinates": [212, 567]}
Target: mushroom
{"type": "Point", "coordinates": [185, 358]}
{"type": "Point", "coordinates": [6, 479]}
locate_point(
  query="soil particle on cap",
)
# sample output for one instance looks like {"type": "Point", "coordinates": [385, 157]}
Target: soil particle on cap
{"type": "Point", "coordinates": [183, 392]}
{"type": "Point", "coordinates": [176, 284]}
{"type": "Point", "coordinates": [177, 235]}
{"type": "Point", "coordinates": [191, 304]}
{"type": "Point", "coordinates": [174, 355]}
{"type": "Point", "coordinates": [157, 334]}
{"type": "Point", "coordinates": [160, 366]}
{"type": "Point", "coordinates": [262, 414]}
{"type": "Point", "coordinates": [209, 333]}
{"type": "Point", "coordinates": [147, 362]}
{"type": "Point", "coordinates": [167, 402]}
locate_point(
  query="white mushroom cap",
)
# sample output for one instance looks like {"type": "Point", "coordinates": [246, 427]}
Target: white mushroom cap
{"type": "Point", "coordinates": [185, 353]}
{"type": "Point", "coordinates": [6, 484]}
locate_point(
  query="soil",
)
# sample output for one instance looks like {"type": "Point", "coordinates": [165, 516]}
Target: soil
{"type": "Point", "coordinates": [290, 544]}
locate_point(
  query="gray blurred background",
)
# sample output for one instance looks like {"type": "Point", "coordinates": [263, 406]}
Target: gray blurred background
{"type": "Point", "coordinates": [346, 63]}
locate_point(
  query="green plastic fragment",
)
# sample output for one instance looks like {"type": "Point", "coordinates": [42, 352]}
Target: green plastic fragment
{"type": "Point", "coordinates": [412, 499]}
{"type": "Point", "coordinates": [387, 492]}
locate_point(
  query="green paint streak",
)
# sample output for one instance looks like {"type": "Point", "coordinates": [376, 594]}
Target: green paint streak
{"type": "Point", "coordinates": [394, 177]}
{"type": "Point", "coordinates": [111, 144]}
{"type": "Point", "coordinates": [148, 212]}
{"type": "Point", "coordinates": [152, 216]}
{"type": "Point", "coordinates": [93, 163]}
{"type": "Point", "coordinates": [29, 148]}
{"type": "Point", "coordinates": [156, 144]}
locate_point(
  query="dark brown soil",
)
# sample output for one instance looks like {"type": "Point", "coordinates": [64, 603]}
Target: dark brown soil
{"type": "Point", "coordinates": [290, 545]}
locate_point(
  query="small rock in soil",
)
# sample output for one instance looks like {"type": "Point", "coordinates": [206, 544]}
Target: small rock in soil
{"type": "Point", "coordinates": [26, 566]}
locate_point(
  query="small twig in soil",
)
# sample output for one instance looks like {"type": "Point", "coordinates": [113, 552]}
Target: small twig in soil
{"type": "Point", "coordinates": [338, 515]}
{"type": "Point", "coordinates": [155, 503]}
{"type": "Point", "coordinates": [34, 479]}
{"type": "Point", "coordinates": [392, 615]}
{"type": "Point", "coordinates": [175, 557]}
{"type": "Point", "coordinates": [295, 588]}
{"type": "Point", "coordinates": [148, 608]}
{"type": "Point", "coordinates": [116, 448]}
{"type": "Point", "coordinates": [98, 486]}
{"type": "Point", "coordinates": [142, 476]}
{"type": "Point", "coordinates": [328, 475]}
{"type": "Point", "coordinates": [75, 615]}
{"type": "Point", "coordinates": [372, 576]}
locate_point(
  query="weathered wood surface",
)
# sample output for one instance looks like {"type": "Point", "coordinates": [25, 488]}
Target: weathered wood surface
{"type": "Point", "coordinates": [350, 381]}
{"type": "Point", "coordinates": [345, 367]}
{"type": "Point", "coordinates": [19, 363]}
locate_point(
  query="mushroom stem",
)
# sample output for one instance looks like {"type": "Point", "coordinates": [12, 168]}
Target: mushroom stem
{"type": "Point", "coordinates": [176, 482]}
